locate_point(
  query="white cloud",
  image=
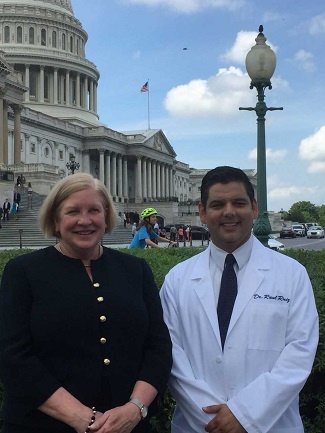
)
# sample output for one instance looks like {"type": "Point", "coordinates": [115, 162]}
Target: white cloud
{"type": "Point", "coordinates": [294, 192]}
{"type": "Point", "coordinates": [191, 6]}
{"type": "Point", "coordinates": [312, 149]}
{"type": "Point", "coordinates": [271, 155]}
{"type": "Point", "coordinates": [316, 167]}
{"type": "Point", "coordinates": [317, 25]}
{"type": "Point", "coordinates": [305, 60]}
{"type": "Point", "coordinates": [242, 45]}
{"type": "Point", "coordinates": [220, 95]}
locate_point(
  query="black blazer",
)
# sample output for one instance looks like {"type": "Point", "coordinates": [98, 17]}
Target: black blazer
{"type": "Point", "coordinates": [57, 328]}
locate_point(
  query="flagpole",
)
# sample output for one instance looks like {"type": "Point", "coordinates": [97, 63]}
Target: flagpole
{"type": "Point", "coordinates": [148, 105]}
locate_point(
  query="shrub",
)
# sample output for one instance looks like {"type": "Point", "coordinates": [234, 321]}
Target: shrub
{"type": "Point", "coordinates": [312, 397]}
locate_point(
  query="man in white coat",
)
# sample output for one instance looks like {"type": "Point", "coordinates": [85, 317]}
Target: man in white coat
{"type": "Point", "coordinates": [251, 381]}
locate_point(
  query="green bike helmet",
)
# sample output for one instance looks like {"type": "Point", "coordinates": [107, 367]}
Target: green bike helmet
{"type": "Point", "coordinates": [148, 212]}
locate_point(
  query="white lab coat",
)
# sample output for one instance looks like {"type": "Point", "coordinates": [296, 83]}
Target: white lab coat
{"type": "Point", "coordinates": [269, 349]}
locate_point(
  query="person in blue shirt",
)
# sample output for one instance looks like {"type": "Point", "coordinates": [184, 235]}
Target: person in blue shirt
{"type": "Point", "coordinates": [145, 234]}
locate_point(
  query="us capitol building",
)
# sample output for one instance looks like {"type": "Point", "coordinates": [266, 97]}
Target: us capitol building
{"type": "Point", "coordinates": [48, 116]}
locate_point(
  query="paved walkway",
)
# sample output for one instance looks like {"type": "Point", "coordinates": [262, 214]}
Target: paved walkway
{"type": "Point", "coordinates": [195, 243]}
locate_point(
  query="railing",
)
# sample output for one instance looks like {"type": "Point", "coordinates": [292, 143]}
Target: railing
{"type": "Point", "coordinates": [7, 175]}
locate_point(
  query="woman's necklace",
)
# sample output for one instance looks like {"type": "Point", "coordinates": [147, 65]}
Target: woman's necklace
{"type": "Point", "coordinates": [86, 266]}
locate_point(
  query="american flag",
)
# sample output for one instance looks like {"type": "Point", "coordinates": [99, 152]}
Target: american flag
{"type": "Point", "coordinates": [145, 87]}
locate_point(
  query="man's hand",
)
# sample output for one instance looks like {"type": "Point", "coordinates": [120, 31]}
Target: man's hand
{"type": "Point", "coordinates": [224, 421]}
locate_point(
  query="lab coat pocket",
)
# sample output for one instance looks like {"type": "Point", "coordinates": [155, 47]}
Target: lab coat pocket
{"type": "Point", "coordinates": [267, 326]}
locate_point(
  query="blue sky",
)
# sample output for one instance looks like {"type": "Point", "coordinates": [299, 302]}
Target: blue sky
{"type": "Point", "coordinates": [195, 93]}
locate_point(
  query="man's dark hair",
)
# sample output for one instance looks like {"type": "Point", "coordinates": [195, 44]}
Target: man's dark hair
{"type": "Point", "coordinates": [225, 174]}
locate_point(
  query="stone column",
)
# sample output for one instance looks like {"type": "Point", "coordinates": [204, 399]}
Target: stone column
{"type": "Point", "coordinates": [26, 148]}
{"type": "Point", "coordinates": [171, 182]}
{"type": "Point", "coordinates": [138, 180]}
{"type": "Point", "coordinates": [119, 177]}
{"type": "Point", "coordinates": [62, 89]}
{"type": "Point", "coordinates": [167, 172]}
{"type": "Point", "coordinates": [125, 178]}
{"type": "Point", "coordinates": [67, 87]}
{"type": "Point", "coordinates": [78, 90]}
{"type": "Point", "coordinates": [154, 180]}
{"type": "Point", "coordinates": [144, 178]}
{"type": "Point", "coordinates": [1, 129]}
{"type": "Point", "coordinates": [55, 86]}
{"type": "Point", "coordinates": [101, 165]}
{"type": "Point", "coordinates": [158, 180]}
{"type": "Point", "coordinates": [162, 181]}
{"type": "Point", "coordinates": [5, 132]}
{"type": "Point", "coordinates": [149, 165]}
{"type": "Point", "coordinates": [27, 82]}
{"type": "Point", "coordinates": [91, 95]}
{"type": "Point", "coordinates": [86, 161]}
{"type": "Point", "coordinates": [113, 171]}
{"type": "Point", "coordinates": [86, 93]}
{"type": "Point", "coordinates": [41, 84]}
{"type": "Point", "coordinates": [108, 171]}
{"type": "Point", "coordinates": [55, 153]}
{"type": "Point", "coordinates": [17, 132]}
{"type": "Point", "coordinates": [95, 96]}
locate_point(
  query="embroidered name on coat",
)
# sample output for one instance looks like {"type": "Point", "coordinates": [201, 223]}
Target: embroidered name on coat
{"type": "Point", "coordinates": [274, 298]}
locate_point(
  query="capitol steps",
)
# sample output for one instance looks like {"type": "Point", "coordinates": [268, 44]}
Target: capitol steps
{"type": "Point", "coordinates": [25, 232]}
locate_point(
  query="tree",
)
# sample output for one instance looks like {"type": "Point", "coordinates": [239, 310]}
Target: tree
{"type": "Point", "coordinates": [321, 213]}
{"type": "Point", "coordinates": [304, 211]}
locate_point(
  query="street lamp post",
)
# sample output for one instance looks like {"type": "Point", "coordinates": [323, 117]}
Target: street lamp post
{"type": "Point", "coordinates": [260, 65]}
{"type": "Point", "coordinates": [72, 164]}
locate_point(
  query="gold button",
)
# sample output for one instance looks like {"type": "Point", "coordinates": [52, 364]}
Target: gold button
{"type": "Point", "coordinates": [102, 318]}
{"type": "Point", "coordinates": [100, 299]}
{"type": "Point", "coordinates": [96, 284]}
{"type": "Point", "coordinates": [103, 340]}
{"type": "Point", "coordinates": [107, 361]}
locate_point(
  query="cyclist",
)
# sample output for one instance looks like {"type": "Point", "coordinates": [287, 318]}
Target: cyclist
{"type": "Point", "coordinates": [145, 234]}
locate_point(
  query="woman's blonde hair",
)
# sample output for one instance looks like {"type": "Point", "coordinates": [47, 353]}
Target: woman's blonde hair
{"type": "Point", "coordinates": [62, 190]}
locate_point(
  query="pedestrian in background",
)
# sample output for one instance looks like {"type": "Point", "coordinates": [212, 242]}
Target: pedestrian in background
{"type": "Point", "coordinates": [14, 209]}
{"type": "Point", "coordinates": [134, 229]}
{"type": "Point", "coordinates": [145, 234]}
{"type": "Point", "coordinates": [6, 209]}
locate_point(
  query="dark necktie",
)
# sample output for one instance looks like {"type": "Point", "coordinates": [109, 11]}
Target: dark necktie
{"type": "Point", "coordinates": [227, 296]}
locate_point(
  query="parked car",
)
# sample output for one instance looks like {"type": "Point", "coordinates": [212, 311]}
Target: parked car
{"type": "Point", "coordinates": [168, 226]}
{"type": "Point", "coordinates": [299, 229]}
{"type": "Point", "coordinates": [274, 244]}
{"type": "Point", "coordinates": [287, 232]}
{"type": "Point", "coordinates": [200, 232]}
{"type": "Point", "coordinates": [309, 225]}
{"type": "Point", "coordinates": [315, 232]}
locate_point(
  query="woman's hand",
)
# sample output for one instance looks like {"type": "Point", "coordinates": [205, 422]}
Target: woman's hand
{"type": "Point", "coordinates": [121, 419]}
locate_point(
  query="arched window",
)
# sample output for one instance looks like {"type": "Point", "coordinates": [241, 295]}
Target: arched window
{"type": "Point", "coordinates": [32, 84]}
{"type": "Point", "coordinates": [54, 39]}
{"type": "Point", "coordinates": [71, 44]}
{"type": "Point", "coordinates": [19, 35]}
{"type": "Point", "coordinates": [63, 42]}
{"type": "Point", "coordinates": [43, 37]}
{"type": "Point", "coordinates": [31, 35]}
{"type": "Point", "coordinates": [7, 34]}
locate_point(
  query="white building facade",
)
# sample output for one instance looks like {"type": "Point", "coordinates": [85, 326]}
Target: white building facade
{"type": "Point", "coordinates": [48, 113]}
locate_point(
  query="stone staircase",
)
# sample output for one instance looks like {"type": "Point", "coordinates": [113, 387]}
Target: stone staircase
{"type": "Point", "coordinates": [25, 232]}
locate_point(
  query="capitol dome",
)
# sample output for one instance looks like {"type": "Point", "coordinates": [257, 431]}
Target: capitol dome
{"type": "Point", "coordinates": [45, 44]}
